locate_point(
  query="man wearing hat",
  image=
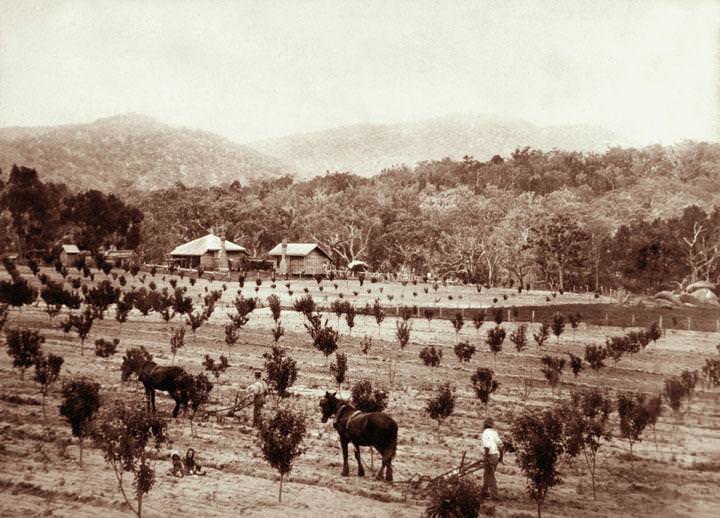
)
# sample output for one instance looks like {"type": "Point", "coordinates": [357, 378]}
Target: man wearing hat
{"type": "Point", "coordinates": [258, 390]}
{"type": "Point", "coordinates": [493, 451]}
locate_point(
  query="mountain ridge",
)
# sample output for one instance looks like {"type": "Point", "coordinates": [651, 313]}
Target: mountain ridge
{"type": "Point", "coordinates": [132, 152]}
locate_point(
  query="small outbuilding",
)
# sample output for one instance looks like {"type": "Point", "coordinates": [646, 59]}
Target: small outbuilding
{"type": "Point", "coordinates": [120, 258]}
{"type": "Point", "coordinates": [300, 259]}
{"type": "Point", "coordinates": [210, 251]}
{"type": "Point", "coordinates": [69, 255]}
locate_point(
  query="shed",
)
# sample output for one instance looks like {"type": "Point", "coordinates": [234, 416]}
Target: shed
{"type": "Point", "coordinates": [300, 258]}
{"type": "Point", "coordinates": [121, 258]}
{"type": "Point", "coordinates": [69, 255]}
{"type": "Point", "coordinates": [207, 251]}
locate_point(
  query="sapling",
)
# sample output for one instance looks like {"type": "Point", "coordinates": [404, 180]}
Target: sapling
{"type": "Point", "coordinates": [368, 399]}
{"type": "Point", "coordinates": [24, 347]}
{"type": "Point", "coordinates": [47, 371]}
{"type": "Point", "coordinates": [552, 369]}
{"type": "Point", "coordinates": [495, 338]}
{"type": "Point", "coordinates": [281, 371]}
{"type": "Point", "coordinates": [82, 323]}
{"type": "Point", "coordinates": [339, 368]}
{"type": "Point", "coordinates": [81, 400]}
{"type": "Point", "coordinates": [519, 337]}
{"type": "Point", "coordinates": [484, 384]}
{"type": "Point", "coordinates": [478, 319]}
{"type": "Point", "coordinates": [428, 313]}
{"type": "Point", "coordinates": [442, 405]}
{"type": "Point", "coordinates": [457, 322]}
{"type": "Point", "coordinates": [542, 334]}
{"type": "Point", "coordinates": [431, 356]}
{"type": "Point", "coordinates": [281, 438]}
{"type": "Point", "coordinates": [464, 351]}
{"type": "Point", "coordinates": [633, 411]}
{"type": "Point", "coordinates": [576, 364]}
{"type": "Point", "coordinates": [106, 348]}
{"type": "Point", "coordinates": [177, 341]}
{"type": "Point", "coordinates": [558, 325]}
{"type": "Point", "coordinates": [595, 356]}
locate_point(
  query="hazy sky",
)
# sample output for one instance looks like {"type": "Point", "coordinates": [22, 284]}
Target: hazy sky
{"type": "Point", "coordinates": [251, 70]}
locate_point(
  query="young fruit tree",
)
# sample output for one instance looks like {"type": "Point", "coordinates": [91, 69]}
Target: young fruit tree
{"type": "Point", "coordinates": [24, 347]}
{"type": "Point", "coordinates": [123, 432]}
{"type": "Point", "coordinates": [199, 388]}
{"type": "Point", "coordinates": [675, 392]}
{"type": "Point", "coordinates": [274, 305]}
{"type": "Point", "coordinates": [47, 371]}
{"type": "Point", "coordinates": [338, 369]}
{"type": "Point", "coordinates": [595, 356]}
{"type": "Point", "coordinates": [80, 402]}
{"type": "Point", "coordinates": [484, 384]}
{"type": "Point", "coordinates": [368, 399]}
{"type": "Point", "coordinates": [106, 348]}
{"type": "Point", "coordinates": [587, 424]}
{"type": "Point", "coordinates": [281, 371]}
{"type": "Point", "coordinates": [278, 331]}
{"type": "Point", "coordinates": [442, 405]}
{"type": "Point", "coordinates": [478, 319]}
{"type": "Point", "coordinates": [464, 351]}
{"type": "Point", "coordinates": [82, 323]}
{"type": "Point", "coordinates": [558, 325]}
{"type": "Point", "coordinates": [378, 313]}
{"type": "Point", "coordinates": [457, 322]}
{"type": "Point", "coordinates": [428, 313]}
{"type": "Point", "coordinates": [576, 364]}
{"type": "Point", "coordinates": [519, 337]}
{"type": "Point", "coordinates": [495, 338]}
{"type": "Point", "coordinates": [431, 356]}
{"type": "Point", "coordinates": [632, 409]}
{"type": "Point", "coordinates": [552, 369]}
{"type": "Point", "coordinates": [350, 313]}
{"type": "Point", "coordinates": [177, 341]}
{"type": "Point", "coordinates": [542, 334]}
{"type": "Point", "coordinates": [538, 439]}
{"type": "Point", "coordinates": [281, 438]}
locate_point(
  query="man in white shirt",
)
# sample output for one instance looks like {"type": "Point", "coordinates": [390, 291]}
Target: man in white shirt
{"type": "Point", "coordinates": [493, 451]}
{"type": "Point", "coordinates": [258, 390]}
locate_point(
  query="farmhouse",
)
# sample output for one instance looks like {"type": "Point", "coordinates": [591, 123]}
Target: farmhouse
{"type": "Point", "coordinates": [208, 251]}
{"type": "Point", "coordinates": [121, 258]}
{"type": "Point", "coordinates": [300, 259]}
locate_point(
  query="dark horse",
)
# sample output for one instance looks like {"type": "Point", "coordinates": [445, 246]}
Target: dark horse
{"type": "Point", "coordinates": [173, 380]}
{"type": "Point", "coordinates": [374, 429]}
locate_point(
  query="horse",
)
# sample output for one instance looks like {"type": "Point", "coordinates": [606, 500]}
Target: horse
{"type": "Point", "coordinates": [374, 429]}
{"type": "Point", "coordinates": [173, 380]}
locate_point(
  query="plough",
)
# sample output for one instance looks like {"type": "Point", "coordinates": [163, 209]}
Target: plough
{"type": "Point", "coordinates": [421, 483]}
{"type": "Point", "coordinates": [220, 413]}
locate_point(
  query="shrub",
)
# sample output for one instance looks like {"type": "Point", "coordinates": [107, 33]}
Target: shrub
{"type": "Point", "coordinates": [281, 370]}
{"type": "Point", "coordinates": [274, 304]}
{"type": "Point", "coordinates": [431, 356]}
{"type": "Point", "coordinates": [368, 399]}
{"type": "Point", "coordinates": [123, 432]}
{"type": "Point", "coordinates": [325, 339]}
{"type": "Point", "coordinates": [464, 351]}
{"type": "Point", "coordinates": [81, 399]}
{"type": "Point", "coordinates": [106, 348]}
{"type": "Point", "coordinates": [576, 364]}
{"type": "Point", "coordinates": [454, 497]}
{"type": "Point", "coordinates": [442, 405]}
{"type": "Point", "coordinates": [458, 322]}
{"type": "Point", "coordinates": [366, 344]}
{"type": "Point", "coordinates": [281, 438]}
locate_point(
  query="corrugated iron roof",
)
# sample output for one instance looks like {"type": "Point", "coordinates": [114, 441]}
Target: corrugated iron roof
{"type": "Point", "coordinates": [204, 244]}
{"type": "Point", "coordinates": [71, 249]}
{"type": "Point", "coordinates": [297, 249]}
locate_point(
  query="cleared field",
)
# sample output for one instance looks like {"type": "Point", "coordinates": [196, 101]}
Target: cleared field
{"type": "Point", "coordinates": [676, 472]}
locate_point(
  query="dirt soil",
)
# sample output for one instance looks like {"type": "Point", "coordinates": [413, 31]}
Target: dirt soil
{"type": "Point", "coordinates": [676, 470]}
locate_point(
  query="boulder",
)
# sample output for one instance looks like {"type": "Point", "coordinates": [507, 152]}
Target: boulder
{"type": "Point", "coordinates": [686, 298]}
{"type": "Point", "coordinates": [701, 285]}
{"type": "Point", "coordinates": [669, 296]}
{"type": "Point", "coordinates": [705, 296]}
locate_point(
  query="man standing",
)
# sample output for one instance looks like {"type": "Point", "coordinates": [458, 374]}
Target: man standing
{"type": "Point", "coordinates": [258, 390]}
{"type": "Point", "coordinates": [493, 451]}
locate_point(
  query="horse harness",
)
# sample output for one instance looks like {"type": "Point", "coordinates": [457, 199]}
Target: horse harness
{"type": "Point", "coordinates": [349, 419]}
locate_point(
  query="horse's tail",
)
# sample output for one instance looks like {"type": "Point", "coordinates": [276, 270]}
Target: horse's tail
{"type": "Point", "coordinates": [392, 447]}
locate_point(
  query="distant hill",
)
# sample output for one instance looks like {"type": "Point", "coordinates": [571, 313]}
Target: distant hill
{"type": "Point", "coordinates": [367, 149]}
{"type": "Point", "coordinates": [129, 152]}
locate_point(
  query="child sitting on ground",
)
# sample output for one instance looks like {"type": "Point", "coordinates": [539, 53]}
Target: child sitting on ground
{"type": "Point", "coordinates": [192, 467]}
{"type": "Point", "coordinates": [177, 465]}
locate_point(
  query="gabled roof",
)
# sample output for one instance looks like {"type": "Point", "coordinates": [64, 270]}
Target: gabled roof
{"type": "Point", "coordinates": [204, 244]}
{"type": "Point", "coordinates": [71, 249]}
{"type": "Point", "coordinates": [297, 249]}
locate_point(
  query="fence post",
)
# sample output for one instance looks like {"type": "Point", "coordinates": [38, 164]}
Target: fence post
{"type": "Point", "coordinates": [633, 319]}
{"type": "Point", "coordinates": [689, 323]}
{"type": "Point", "coordinates": [532, 317]}
{"type": "Point", "coordinates": [660, 322]}
{"type": "Point", "coordinates": [606, 318]}
{"type": "Point", "coordinates": [509, 317]}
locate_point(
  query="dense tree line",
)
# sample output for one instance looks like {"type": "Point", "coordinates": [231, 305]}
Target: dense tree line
{"type": "Point", "coordinates": [39, 217]}
{"type": "Point", "coordinates": [641, 219]}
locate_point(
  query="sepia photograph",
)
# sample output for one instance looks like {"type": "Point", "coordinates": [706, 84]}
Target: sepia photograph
{"type": "Point", "coordinates": [360, 258]}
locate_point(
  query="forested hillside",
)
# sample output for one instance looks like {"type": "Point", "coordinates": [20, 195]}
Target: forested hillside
{"type": "Point", "coordinates": [640, 219]}
{"type": "Point", "coordinates": [132, 152]}
{"type": "Point", "coordinates": [621, 218]}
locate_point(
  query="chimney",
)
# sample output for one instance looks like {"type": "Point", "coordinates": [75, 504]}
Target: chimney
{"type": "Point", "coordinates": [223, 263]}
{"type": "Point", "coordinates": [283, 259]}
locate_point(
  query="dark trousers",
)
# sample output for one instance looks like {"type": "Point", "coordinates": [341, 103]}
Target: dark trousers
{"type": "Point", "coordinates": [258, 403]}
{"type": "Point", "coordinates": [489, 484]}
